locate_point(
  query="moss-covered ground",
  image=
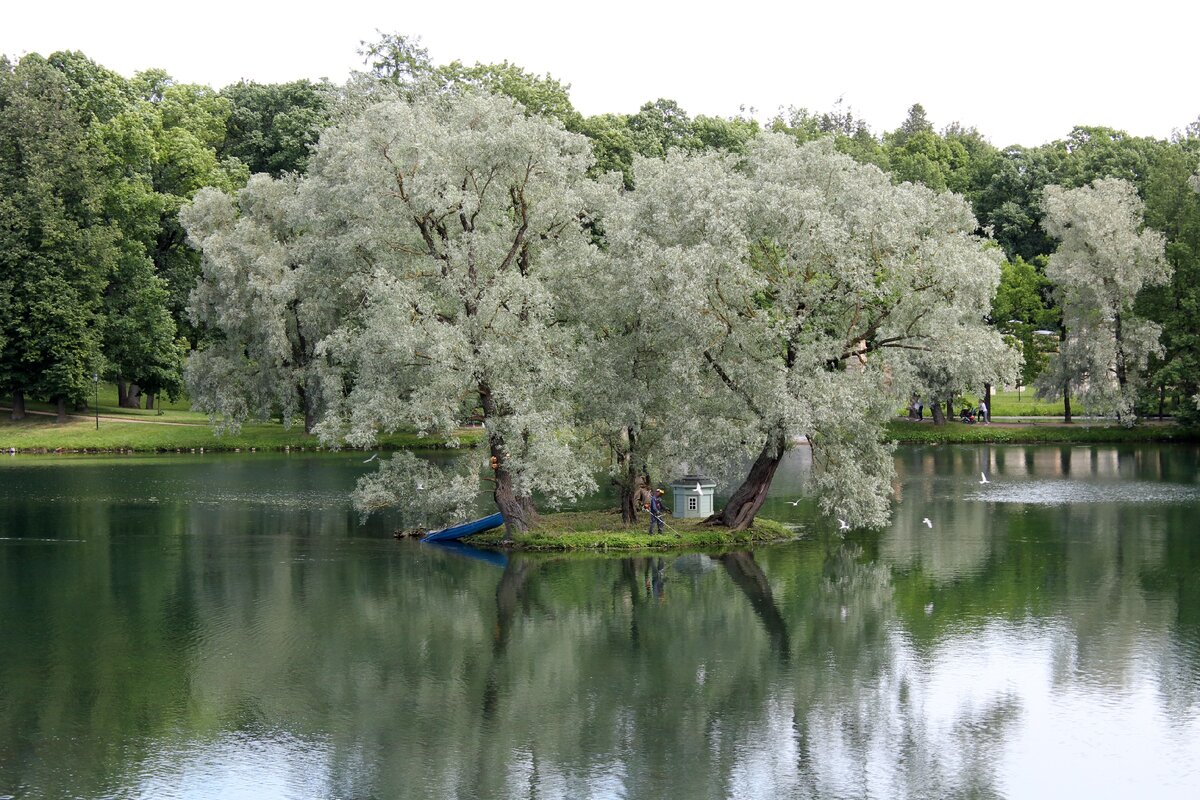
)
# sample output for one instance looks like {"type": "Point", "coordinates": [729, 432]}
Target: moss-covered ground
{"type": "Point", "coordinates": [603, 530]}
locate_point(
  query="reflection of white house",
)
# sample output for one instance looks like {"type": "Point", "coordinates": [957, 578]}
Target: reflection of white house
{"type": "Point", "coordinates": [693, 496]}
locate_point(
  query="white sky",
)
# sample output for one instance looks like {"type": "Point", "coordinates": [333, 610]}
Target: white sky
{"type": "Point", "coordinates": [1021, 71]}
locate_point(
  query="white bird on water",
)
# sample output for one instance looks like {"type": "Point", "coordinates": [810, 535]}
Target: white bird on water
{"type": "Point", "coordinates": [983, 478]}
{"type": "Point", "coordinates": [372, 458]}
{"type": "Point", "coordinates": [843, 525]}
{"type": "Point", "coordinates": [927, 523]}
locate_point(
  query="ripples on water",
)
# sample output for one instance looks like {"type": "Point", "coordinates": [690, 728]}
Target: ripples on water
{"type": "Point", "coordinates": [996, 655]}
{"type": "Point", "coordinates": [254, 763]}
{"type": "Point", "coordinates": [1062, 492]}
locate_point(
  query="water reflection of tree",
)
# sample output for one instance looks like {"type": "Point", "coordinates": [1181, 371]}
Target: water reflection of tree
{"type": "Point", "coordinates": [399, 671]}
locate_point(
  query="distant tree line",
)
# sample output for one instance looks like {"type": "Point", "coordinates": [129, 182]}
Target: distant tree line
{"type": "Point", "coordinates": [95, 269]}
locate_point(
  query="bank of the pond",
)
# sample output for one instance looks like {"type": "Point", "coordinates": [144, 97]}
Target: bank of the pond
{"type": "Point", "coordinates": [44, 434]}
{"type": "Point", "coordinates": [1045, 431]}
{"type": "Point", "coordinates": [603, 530]}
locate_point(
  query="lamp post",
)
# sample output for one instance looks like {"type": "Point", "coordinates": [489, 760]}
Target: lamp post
{"type": "Point", "coordinates": [96, 405]}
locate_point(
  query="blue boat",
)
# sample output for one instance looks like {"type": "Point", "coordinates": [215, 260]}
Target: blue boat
{"type": "Point", "coordinates": [465, 529]}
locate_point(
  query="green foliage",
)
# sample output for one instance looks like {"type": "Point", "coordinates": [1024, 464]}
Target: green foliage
{"type": "Point", "coordinates": [1019, 309]}
{"type": "Point", "coordinates": [54, 250]}
{"type": "Point", "coordinates": [540, 95]}
{"type": "Point", "coordinates": [661, 126]}
{"type": "Point", "coordinates": [1173, 207]}
{"type": "Point", "coordinates": [729, 135]}
{"type": "Point", "coordinates": [1092, 153]}
{"type": "Point", "coordinates": [272, 127]}
{"type": "Point", "coordinates": [612, 145]}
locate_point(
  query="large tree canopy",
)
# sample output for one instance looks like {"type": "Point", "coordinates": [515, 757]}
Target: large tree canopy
{"type": "Point", "coordinates": [446, 230]}
{"type": "Point", "coordinates": [812, 288]}
{"type": "Point", "coordinates": [55, 251]}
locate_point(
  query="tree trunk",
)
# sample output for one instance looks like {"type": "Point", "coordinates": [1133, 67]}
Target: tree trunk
{"type": "Point", "coordinates": [122, 393]}
{"type": "Point", "coordinates": [739, 512]}
{"type": "Point", "coordinates": [1062, 337]}
{"type": "Point", "coordinates": [938, 417]}
{"type": "Point", "coordinates": [132, 397]}
{"type": "Point", "coordinates": [60, 404]}
{"type": "Point", "coordinates": [519, 512]}
{"type": "Point", "coordinates": [1162, 400]}
{"type": "Point", "coordinates": [150, 401]}
{"type": "Point", "coordinates": [630, 483]}
{"type": "Point", "coordinates": [309, 402]}
{"type": "Point", "coordinates": [628, 511]}
{"type": "Point", "coordinates": [987, 402]}
{"type": "Point", "coordinates": [18, 405]}
{"type": "Point", "coordinates": [950, 408]}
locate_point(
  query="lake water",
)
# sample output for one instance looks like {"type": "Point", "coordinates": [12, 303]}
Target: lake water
{"type": "Point", "coordinates": [222, 626]}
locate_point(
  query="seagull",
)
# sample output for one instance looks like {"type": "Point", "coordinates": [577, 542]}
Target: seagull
{"type": "Point", "coordinates": [927, 523]}
{"type": "Point", "coordinates": [983, 478]}
{"type": "Point", "coordinates": [372, 458]}
{"type": "Point", "coordinates": [843, 525]}
{"type": "Point", "coordinates": [420, 486]}
{"type": "Point", "coordinates": [795, 502]}
{"type": "Point", "coordinates": [699, 489]}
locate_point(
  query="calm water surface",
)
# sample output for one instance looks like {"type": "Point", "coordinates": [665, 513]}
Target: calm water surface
{"type": "Point", "coordinates": [224, 627]}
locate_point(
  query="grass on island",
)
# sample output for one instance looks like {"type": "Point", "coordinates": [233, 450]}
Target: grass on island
{"type": "Point", "coordinates": [603, 530]}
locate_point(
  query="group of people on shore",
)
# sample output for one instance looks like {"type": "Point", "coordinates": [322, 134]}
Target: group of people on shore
{"type": "Point", "coordinates": [969, 415]}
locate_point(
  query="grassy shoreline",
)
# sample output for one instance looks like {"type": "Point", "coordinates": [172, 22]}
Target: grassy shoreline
{"type": "Point", "coordinates": [190, 432]}
{"type": "Point", "coordinates": [41, 434]}
{"type": "Point", "coordinates": [1047, 431]}
{"type": "Point", "coordinates": [570, 531]}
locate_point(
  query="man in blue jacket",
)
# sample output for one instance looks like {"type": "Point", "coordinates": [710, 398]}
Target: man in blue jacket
{"type": "Point", "coordinates": [656, 509]}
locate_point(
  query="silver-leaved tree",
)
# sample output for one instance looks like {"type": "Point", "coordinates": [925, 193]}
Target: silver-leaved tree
{"type": "Point", "coordinates": [447, 257]}
{"type": "Point", "coordinates": [812, 289]}
{"type": "Point", "coordinates": [457, 224]}
{"type": "Point", "coordinates": [256, 300]}
{"type": "Point", "coordinates": [1104, 258]}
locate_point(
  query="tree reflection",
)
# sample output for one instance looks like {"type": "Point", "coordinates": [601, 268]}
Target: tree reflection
{"type": "Point", "coordinates": [182, 637]}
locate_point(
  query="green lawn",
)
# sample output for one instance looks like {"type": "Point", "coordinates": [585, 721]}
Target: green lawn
{"type": "Point", "coordinates": [1008, 404]}
{"type": "Point", "coordinates": [167, 411]}
{"type": "Point", "coordinates": [1049, 431]}
{"type": "Point", "coordinates": [1022, 404]}
{"type": "Point", "coordinates": [38, 433]}
{"type": "Point", "coordinates": [42, 433]}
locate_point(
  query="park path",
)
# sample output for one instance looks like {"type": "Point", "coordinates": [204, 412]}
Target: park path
{"type": "Point", "coordinates": [110, 418]}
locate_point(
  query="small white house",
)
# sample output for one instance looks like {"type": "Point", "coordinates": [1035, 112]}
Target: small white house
{"type": "Point", "coordinates": [693, 496]}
